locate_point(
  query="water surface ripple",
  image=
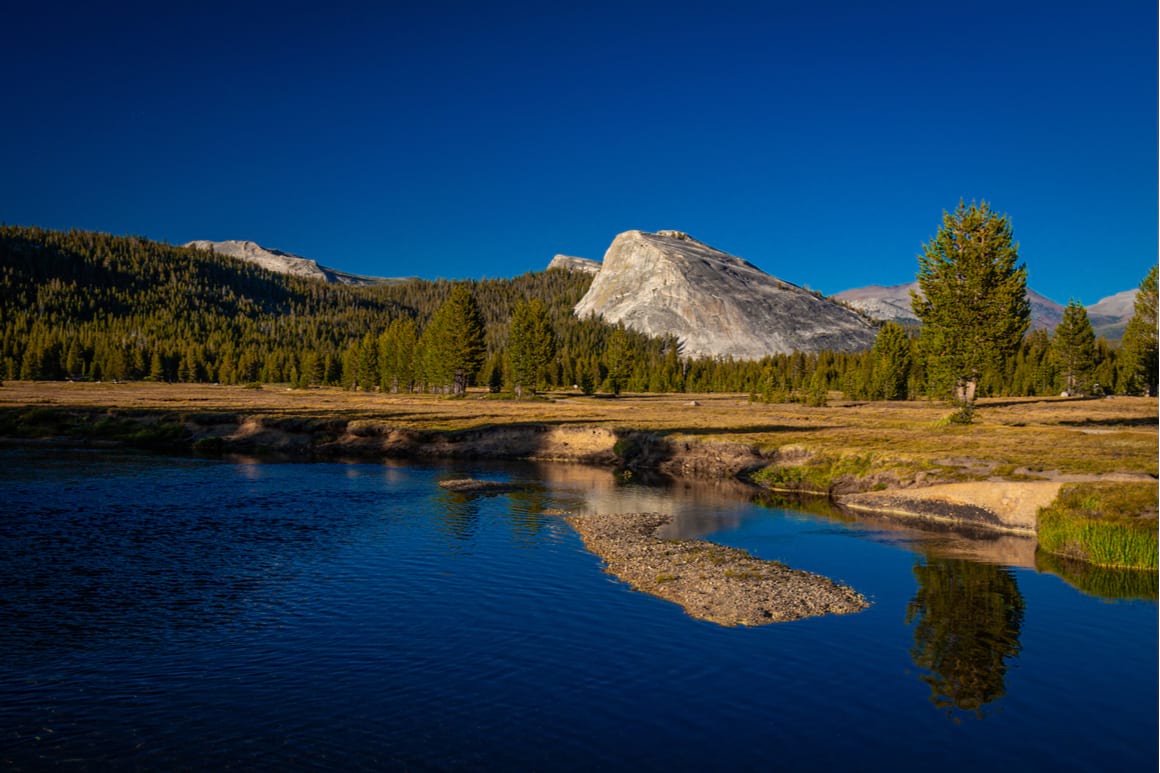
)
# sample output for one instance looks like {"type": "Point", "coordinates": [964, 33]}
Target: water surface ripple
{"type": "Point", "coordinates": [160, 613]}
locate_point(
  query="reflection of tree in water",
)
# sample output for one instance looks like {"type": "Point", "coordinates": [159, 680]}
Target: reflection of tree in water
{"type": "Point", "coordinates": [527, 510]}
{"type": "Point", "coordinates": [459, 516]}
{"type": "Point", "coordinates": [967, 618]}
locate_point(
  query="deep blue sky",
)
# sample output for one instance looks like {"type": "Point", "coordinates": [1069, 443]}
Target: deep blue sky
{"type": "Point", "coordinates": [819, 140]}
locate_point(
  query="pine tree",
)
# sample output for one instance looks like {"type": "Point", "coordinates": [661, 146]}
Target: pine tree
{"type": "Point", "coordinates": [618, 360]}
{"type": "Point", "coordinates": [156, 367]}
{"type": "Point", "coordinates": [531, 345]}
{"type": "Point", "coordinates": [456, 345]}
{"type": "Point", "coordinates": [1139, 346]}
{"type": "Point", "coordinates": [1073, 347]}
{"type": "Point", "coordinates": [367, 368]}
{"type": "Point", "coordinates": [973, 307]}
{"type": "Point", "coordinates": [397, 347]}
{"type": "Point", "coordinates": [891, 362]}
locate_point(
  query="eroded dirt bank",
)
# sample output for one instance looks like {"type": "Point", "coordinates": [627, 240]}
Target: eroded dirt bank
{"type": "Point", "coordinates": [711, 582]}
{"type": "Point", "coordinates": [995, 504]}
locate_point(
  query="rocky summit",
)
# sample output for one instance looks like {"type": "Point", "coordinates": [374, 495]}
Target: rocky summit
{"type": "Point", "coordinates": [283, 262]}
{"type": "Point", "coordinates": [716, 304]}
{"type": "Point", "coordinates": [570, 263]}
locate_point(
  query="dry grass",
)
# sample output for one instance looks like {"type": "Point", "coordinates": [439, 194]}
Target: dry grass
{"type": "Point", "coordinates": [1010, 437]}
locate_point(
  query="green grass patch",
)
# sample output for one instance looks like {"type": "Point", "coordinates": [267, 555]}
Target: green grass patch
{"type": "Point", "coordinates": [1105, 524]}
{"type": "Point", "coordinates": [816, 476]}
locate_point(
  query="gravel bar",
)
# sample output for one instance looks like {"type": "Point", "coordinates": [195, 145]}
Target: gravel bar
{"type": "Point", "coordinates": [722, 585]}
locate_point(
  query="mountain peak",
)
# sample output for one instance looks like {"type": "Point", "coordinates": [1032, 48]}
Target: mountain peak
{"type": "Point", "coordinates": [570, 263]}
{"type": "Point", "coordinates": [284, 262]}
{"type": "Point", "coordinates": [892, 304]}
{"type": "Point", "coordinates": [717, 304]}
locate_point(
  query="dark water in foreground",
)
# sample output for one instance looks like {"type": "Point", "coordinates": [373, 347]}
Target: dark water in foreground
{"type": "Point", "coordinates": [168, 614]}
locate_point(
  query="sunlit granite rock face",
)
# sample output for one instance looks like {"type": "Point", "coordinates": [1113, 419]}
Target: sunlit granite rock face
{"type": "Point", "coordinates": [715, 303]}
{"type": "Point", "coordinates": [284, 262]}
{"type": "Point", "coordinates": [569, 263]}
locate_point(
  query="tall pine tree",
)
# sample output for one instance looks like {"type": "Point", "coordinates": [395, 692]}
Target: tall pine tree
{"type": "Point", "coordinates": [531, 345]}
{"type": "Point", "coordinates": [1140, 362]}
{"type": "Point", "coordinates": [456, 340]}
{"type": "Point", "coordinates": [973, 306]}
{"type": "Point", "coordinates": [1073, 346]}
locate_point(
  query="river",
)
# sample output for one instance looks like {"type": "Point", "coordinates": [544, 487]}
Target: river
{"type": "Point", "coordinates": [162, 613]}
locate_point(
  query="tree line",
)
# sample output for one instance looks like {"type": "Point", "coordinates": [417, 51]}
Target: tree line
{"type": "Point", "coordinates": [83, 305]}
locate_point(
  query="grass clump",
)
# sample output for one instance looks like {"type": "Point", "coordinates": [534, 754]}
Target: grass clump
{"type": "Point", "coordinates": [1105, 524]}
{"type": "Point", "coordinates": [816, 476]}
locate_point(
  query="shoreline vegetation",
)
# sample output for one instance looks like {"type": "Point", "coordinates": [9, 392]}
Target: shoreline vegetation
{"type": "Point", "coordinates": [1080, 474]}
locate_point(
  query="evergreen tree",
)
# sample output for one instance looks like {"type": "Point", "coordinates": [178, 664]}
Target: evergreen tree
{"type": "Point", "coordinates": [456, 343]}
{"type": "Point", "coordinates": [156, 367]}
{"type": "Point", "coordinates": [397, 353]}
{"type": "Point", "coordinates": [531, 345]}
{"type": "Point", "coordinates": [350, 365]}
{"type": "Point", "coordinates": [1073, 347]}
{"type": "Point", "coordinates": [493, 373]}
{"type": "Point", "coordinates": [1139, 345]}
{"type": "Point", "coordinates": [1104, 376]}
{"type": "Point", "coordinates": [973, 307]}
{"type": "Point", "coordinates": [367, 368]}
{"type": "Point", "coordinates": [618, 360]}
{"type": "Point", "coordinates": [891, 362]}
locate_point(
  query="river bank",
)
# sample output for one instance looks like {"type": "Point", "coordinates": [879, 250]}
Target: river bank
{"type": "Point", "coordinates": [893, 459]}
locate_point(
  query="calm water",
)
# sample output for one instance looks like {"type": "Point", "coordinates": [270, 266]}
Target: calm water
{"type": "Point", "coordinates": [175, 613]}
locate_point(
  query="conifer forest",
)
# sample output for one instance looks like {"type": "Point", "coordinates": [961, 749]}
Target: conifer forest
{"type": "Point", "coordinates": [89, 306]}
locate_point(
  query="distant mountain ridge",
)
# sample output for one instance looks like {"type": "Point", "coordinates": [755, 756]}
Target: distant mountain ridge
{"type": "Point", "coordinates": [285, 262]}
{"type": "Point", "coordinates": [717, 304]}
{"type": "Point", "coordinates": [1108, 316]}
{"type": "Point", "coordinates": [569, 263]}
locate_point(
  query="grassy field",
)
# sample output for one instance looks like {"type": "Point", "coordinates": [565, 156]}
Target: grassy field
{"type": "Point", "coordinates": [1019, 438]}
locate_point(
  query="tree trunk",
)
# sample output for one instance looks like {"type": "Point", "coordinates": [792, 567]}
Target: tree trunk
{"type": "Point", "coordinates": [965, 391]}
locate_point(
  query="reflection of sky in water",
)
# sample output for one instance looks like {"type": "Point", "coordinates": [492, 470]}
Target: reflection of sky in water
{"type": "Point", "coordinates": [180, 613]}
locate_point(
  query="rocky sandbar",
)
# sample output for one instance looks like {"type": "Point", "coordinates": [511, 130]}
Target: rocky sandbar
{"type": "Point", "coordinates": [723, 585]}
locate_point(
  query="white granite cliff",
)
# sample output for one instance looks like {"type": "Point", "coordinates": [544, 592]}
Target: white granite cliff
{"type": "Point", "coordinates": [715, 303]}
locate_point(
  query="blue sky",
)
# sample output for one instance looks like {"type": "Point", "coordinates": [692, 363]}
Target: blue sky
{"type": "Point", "coordinates": [820, 140]}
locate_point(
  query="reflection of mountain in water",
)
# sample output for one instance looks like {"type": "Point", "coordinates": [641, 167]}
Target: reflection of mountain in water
{"type": "Point", "coordinates": [697, 507]}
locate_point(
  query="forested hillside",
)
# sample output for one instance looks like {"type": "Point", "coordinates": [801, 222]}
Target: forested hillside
{"type": "Point", "coordinates": [86, 305]}
{"type": "Point", "coordinates": [89, 306]}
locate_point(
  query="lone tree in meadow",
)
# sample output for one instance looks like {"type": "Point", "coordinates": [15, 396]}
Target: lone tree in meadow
{"type": "Point", "coordinates": [973, 306]}
{"type": "Point", "coordinates": [1139, 346]}
{"type": "Point", "coordinates": [531, 345]}
{"type": "Point", "coordinates": [1073, 346]}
